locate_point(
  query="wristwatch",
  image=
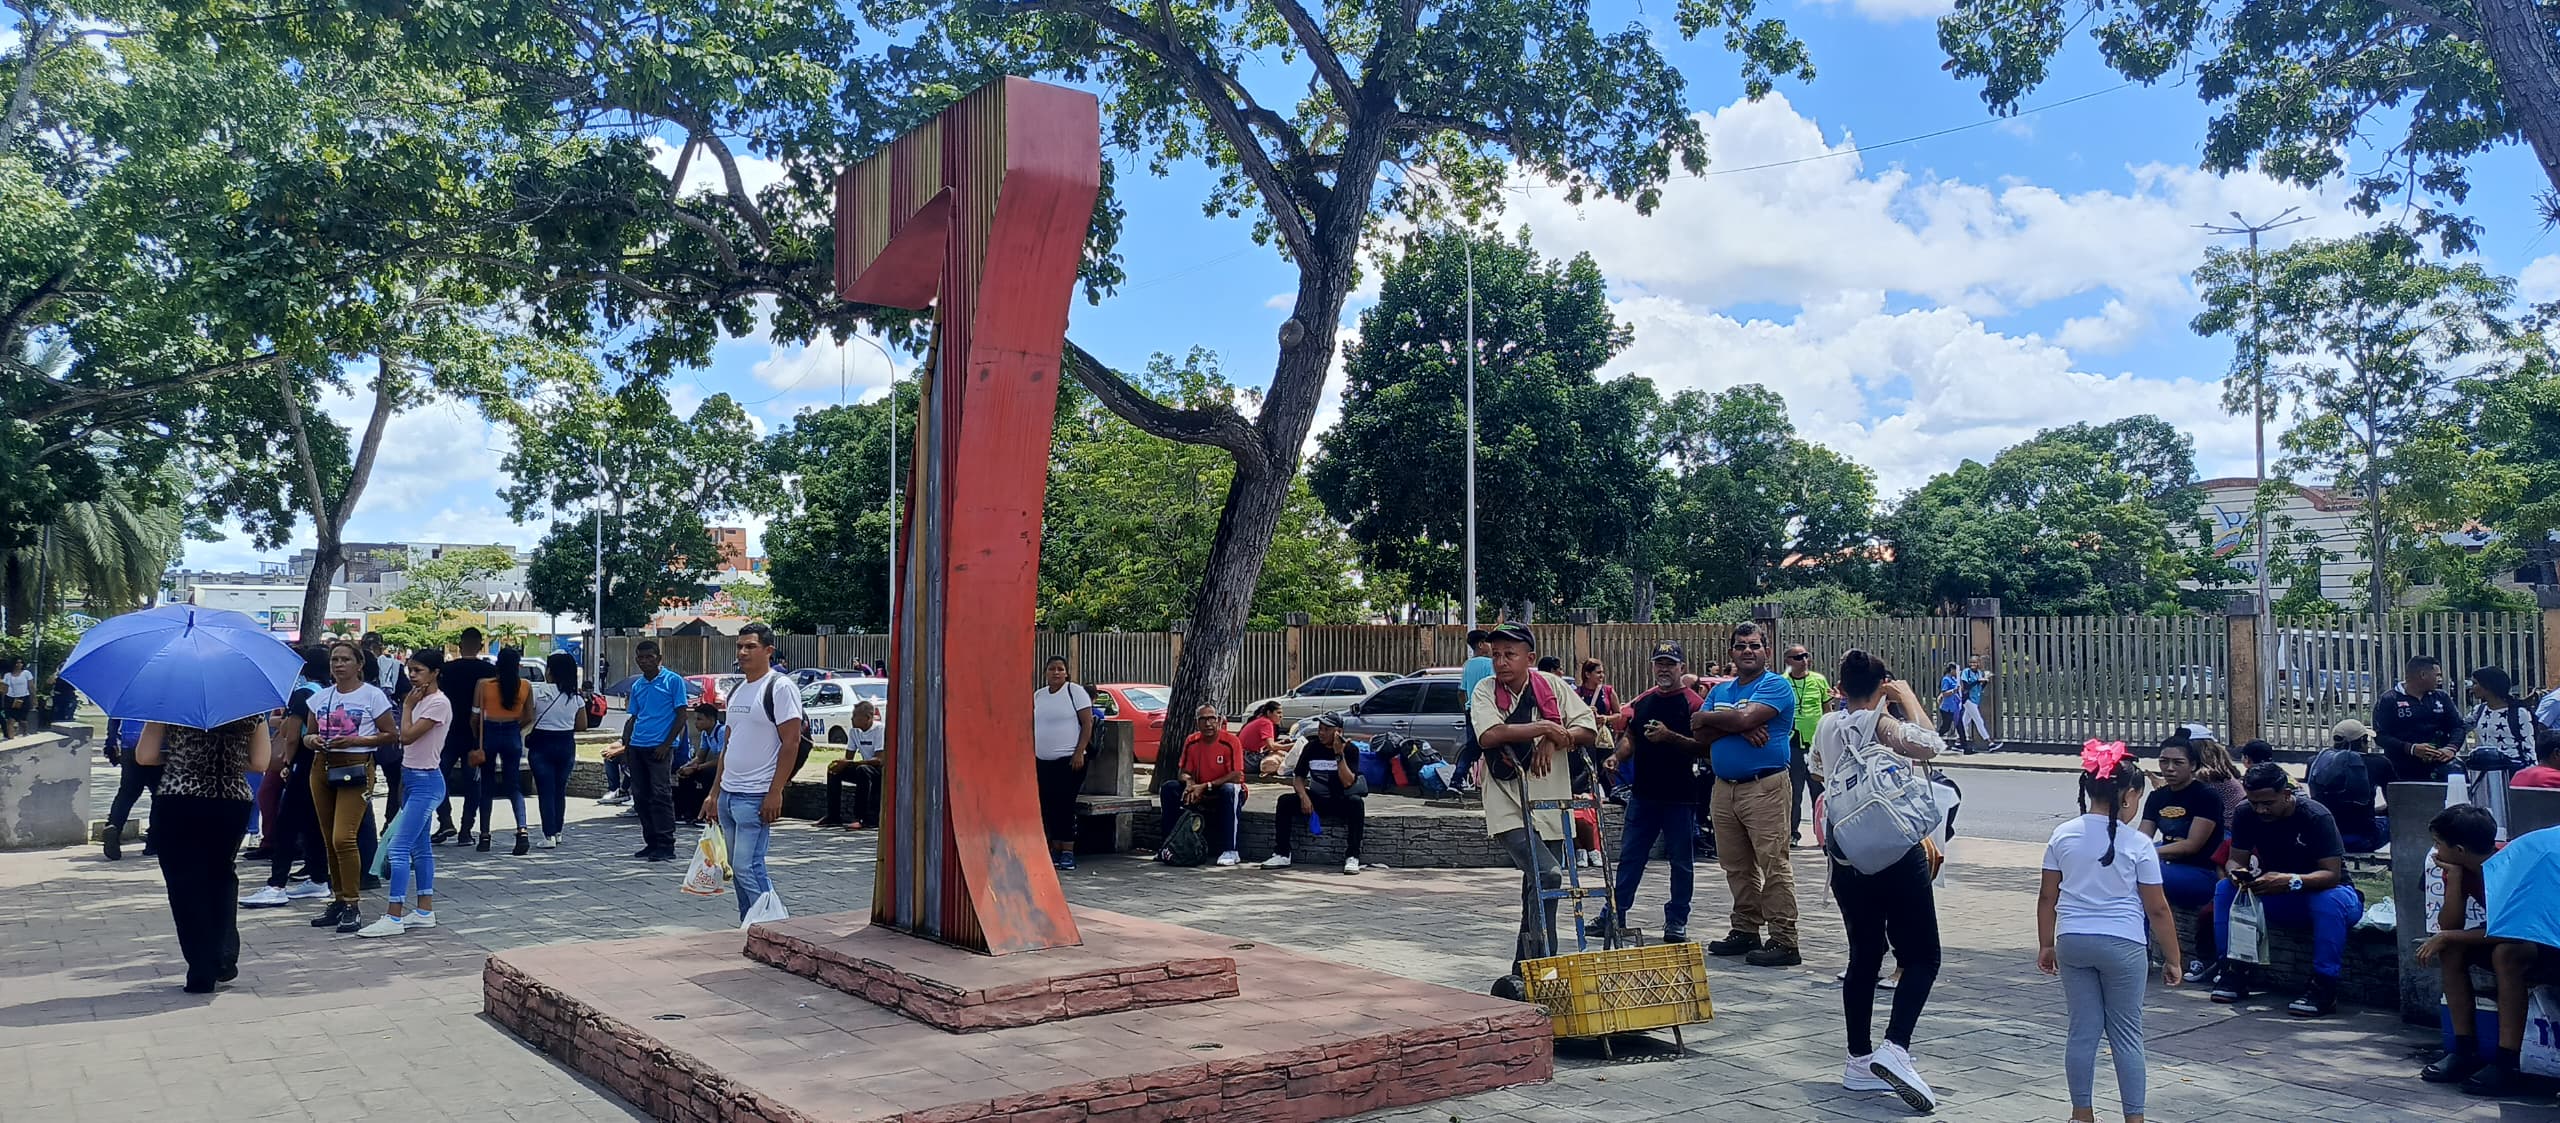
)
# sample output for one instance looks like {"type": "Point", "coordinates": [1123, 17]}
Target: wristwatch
{"type": "Point", "coordinates": [2294, 885]}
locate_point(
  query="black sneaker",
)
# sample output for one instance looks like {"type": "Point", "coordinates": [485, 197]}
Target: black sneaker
{"type": "Point", "coordinates": [149, 848]}
{"type": "Point", "coordinates": [1675, 935]}
{"type": "Point", "coordinates": [462, 838]}
{"type": "Point", "coordinates": [2198, 970]}
{"type": "Point", "coordinates": [2499, 1080]}
{"type": "Point", "coordinates": [330, 916]}
{"type": "Point", "coordinates": [2231, 982]}
{"type": "Point", "coordinates": [443, 835]}
{"type": "Point", "coordinates": [115, 843]}
{"type": "Point", "coordinates": [2454, 1067]}
{"type": "Point", "coordinates": [1739, 943]}
{"type": "Point", "coordinates": [351, 921]}
{"type": "Point", "coordinates": [1608, 927]}
{"type": "Point", "coordinates": [1510, 989]}
{"type": "Point", "coordinates": [2320, 999]}
{"type": "Point", "coordinates": [1775, 955]}
{"type": "Point", "coordinates": [645, 853]}
{"type": "Point", "coordinates": [484, 842]}
{"type": "Point", "coordinates": [524, 844]}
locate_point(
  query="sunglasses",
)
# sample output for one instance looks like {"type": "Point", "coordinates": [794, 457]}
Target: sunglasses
{"type": "Point", "coordinates": [1797, 657]}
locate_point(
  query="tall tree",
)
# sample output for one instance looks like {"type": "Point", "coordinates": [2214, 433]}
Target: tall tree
{"type": "Point", "coordinates": [2382, 335]}
{"type": "Point", "coordinates": [1556, 447]}
{"type": "Point", "coordinates": [2298, 85]}
{"type": "Point", "coordinates": [1394, 114]}
{"type": "Point", "coordinates": [1748, 495]}
{"type": "Point", "coordinates": [2516, 423]}
{"type": "Point", "coordinates": [659, 477]}
{"type": "Point", "coordinates": [827, 551]}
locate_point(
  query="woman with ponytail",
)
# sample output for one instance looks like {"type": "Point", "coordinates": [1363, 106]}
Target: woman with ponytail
{"type": "Point", "coordinates": [2101, 889]}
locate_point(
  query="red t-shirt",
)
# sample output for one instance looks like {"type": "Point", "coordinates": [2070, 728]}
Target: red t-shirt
{"type": "Point", "coordinates": [1206, 758]}
{"type": "Point", "coordinates": [2536, 776]}
{"type": "Point", "coordinates": [1258, 735]}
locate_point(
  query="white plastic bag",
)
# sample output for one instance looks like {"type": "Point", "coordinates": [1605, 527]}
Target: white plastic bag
{"type": "Point", "coordinates": [2382, 916]}
{"type": "Point", "coordinates": [2248, 929]}
{"type": "Point", "coordinates": [2542, 1034]}
{"type": "Point", "coordinates": [768, 908]}
{"type": "Point", "coordinates": [706, 875]}
{"type": "Point", "coordinates": [2473, 916]}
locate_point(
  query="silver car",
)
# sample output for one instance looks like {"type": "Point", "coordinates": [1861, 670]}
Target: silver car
{"type": "Point", "coordinates": [1428, 706]}
{"type": "Point", "coordinates": [1330, 692]}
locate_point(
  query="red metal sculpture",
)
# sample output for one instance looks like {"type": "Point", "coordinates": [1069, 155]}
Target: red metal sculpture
{"type": "Point", "coordinates": [982, 215]}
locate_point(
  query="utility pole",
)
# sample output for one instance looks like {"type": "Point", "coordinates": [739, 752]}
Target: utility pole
{"type": "Point", "coordinates": [1467, 244]}
{"type": "Point", "coordinates": [2258, 420]}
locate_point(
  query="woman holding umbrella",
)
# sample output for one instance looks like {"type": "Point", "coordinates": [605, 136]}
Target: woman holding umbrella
{"type": "Point", "coordinates": [199, 816]}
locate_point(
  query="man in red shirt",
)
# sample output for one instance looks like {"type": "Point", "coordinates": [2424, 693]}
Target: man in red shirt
{"type": "Point", "coordinates": [1210, 780]}
{"type": "Point", "coordinates": [2544, 772]}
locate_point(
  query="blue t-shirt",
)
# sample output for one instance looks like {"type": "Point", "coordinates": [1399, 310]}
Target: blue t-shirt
{"type": "Point", "coordinates": [1950, 693]}
{"type": "Point", "coordinates": [1735, 758]}
{"type": "Point", "coordinates": [1973, 681]}
{"type": "Point", "coordinates": [1476, 670]}
{"type": "Point", "coordinates": [656, 705]}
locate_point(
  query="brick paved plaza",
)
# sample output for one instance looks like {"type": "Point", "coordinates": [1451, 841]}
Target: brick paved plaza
{"type": "Point", "coordinates": [93, 1028]}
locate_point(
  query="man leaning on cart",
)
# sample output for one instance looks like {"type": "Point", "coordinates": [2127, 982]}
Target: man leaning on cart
{"type": "Point", "coordinates": [1524, 718]}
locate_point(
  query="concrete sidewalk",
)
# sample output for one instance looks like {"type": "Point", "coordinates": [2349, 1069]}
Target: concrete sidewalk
{"type": "Point", "coordinates": [93, 1028]}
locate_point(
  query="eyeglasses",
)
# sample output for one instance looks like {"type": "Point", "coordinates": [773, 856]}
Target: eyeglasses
{"type": "Point", "coordinates": [1797, 657]}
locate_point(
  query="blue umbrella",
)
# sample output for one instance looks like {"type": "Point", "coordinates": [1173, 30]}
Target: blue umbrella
{"type": "Point", "coordinates": [2519, 879]}
{"type": "Point", "coordinates": [183, 665]}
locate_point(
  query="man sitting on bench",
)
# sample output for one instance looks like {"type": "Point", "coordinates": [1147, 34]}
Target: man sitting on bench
{"type": "Point", "coordinates": [860, 767]}
{"type": "Point", "coordinates": [2465, 836]}
{"type": "Point", "coordinates": [2285, 849]}
{"type": "Point", "coordinates": [1326, 781]}
{"type": "Point", "coordinates": [1209, 780]}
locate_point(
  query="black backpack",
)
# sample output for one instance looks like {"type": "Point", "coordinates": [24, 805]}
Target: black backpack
{"type": "Point", "coordinates": [2338, 779]}
{"type": "Point", "coordinates": [807, 743]}
{"type": "Point", "coordinates": [1188, 843]}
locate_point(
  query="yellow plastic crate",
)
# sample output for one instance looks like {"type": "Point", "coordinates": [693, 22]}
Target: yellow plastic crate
{"type": "Point", "coordinates": [1595, 993]}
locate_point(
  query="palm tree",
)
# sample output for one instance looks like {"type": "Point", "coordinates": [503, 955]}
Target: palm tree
{"type": "Point", "coordinates": [106, 553]}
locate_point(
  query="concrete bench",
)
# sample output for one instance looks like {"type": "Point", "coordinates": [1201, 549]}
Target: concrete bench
{"type": "Point", "coordinates": [2372, 976]}
{"type": "Point", "coordinates": [44, 788]}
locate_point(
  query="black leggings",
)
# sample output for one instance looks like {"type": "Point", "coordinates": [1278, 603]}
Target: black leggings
{"type": "Point", "coordinates": [1060, 780]}
{"type": "Point", "coordinates": [1340, 812]}
{"type": "Point", "coordinates": [1892, 907]}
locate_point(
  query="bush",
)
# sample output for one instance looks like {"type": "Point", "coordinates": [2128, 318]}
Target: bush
{"type": "Point", "coordinates": [1811, 602]}
{"type": "Point", "coordinates": [60, 635]}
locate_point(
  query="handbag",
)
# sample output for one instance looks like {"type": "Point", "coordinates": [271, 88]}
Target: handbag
{"type": "Point", "coordinates": [348, 775]}
{"type": "Point", "coordinates": [2248, 929]}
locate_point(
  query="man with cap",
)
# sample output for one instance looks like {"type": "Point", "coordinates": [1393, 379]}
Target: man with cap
{"type": "Point", "coordinates": [1524, 720]}
{"type": "Point", "coordinates": [1662, 803]}
{"type": "Point", "coordinates": [2418, 724]}
{"type": "Point", "coordinates": [2341, 778]}
{"type": "Point", "coordinates": [1323, 775]}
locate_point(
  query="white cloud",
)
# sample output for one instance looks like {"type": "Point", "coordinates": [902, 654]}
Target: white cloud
{"type": "Point", "coordinates": [855, 367]}
{"type": "Point", "coordinates": [2114, 326]}
{"type": "Point", "coordinates": [704, 173]}
{"type": "Point", "coordinates": [2540, 280]}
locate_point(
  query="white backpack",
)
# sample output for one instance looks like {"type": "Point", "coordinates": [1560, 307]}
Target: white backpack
{"type": "Point", "coordinates": [1878, 805]}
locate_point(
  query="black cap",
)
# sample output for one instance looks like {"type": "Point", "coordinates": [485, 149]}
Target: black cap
{"type": "Point", "coordinates": [1669, 650]}
{"type": "Point", "coordinates": [1511, 633]}
{"type": "Point", "coordinates": [1329, 718]}
{"type": "Point", "coordinates": [1478, 635]}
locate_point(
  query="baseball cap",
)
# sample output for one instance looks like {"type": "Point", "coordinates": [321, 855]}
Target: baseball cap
{"type": "Point", "coordinates": [1512, 633]}
{"type": "Point", "coordinates": [2199, 732]}
{"type": "Point", "coordinates": [1329, 718]}
{"type": "Point", "coordinates": [2348, 732]}
{"type": "Point", "coordinates": [1669, 650]}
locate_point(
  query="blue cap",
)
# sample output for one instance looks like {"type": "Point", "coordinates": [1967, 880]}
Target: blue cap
{"type": "Point", "coordinates": [1669, 650]}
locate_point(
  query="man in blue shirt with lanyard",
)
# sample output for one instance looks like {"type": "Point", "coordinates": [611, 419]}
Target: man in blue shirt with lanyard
{"type": "Point", "coordinates": [1750, 720]}
{"type": "Point", "coordinates": [657, 712]}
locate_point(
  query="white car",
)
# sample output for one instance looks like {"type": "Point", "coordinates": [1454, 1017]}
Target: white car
{"type": "Point", "coordinates": [828, 705]}
{"type": "Point", "coordinates": [1325, 693]}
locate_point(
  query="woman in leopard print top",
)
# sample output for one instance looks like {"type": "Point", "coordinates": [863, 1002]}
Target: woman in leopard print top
{"type": "Point", "coordinates": [198, 817]}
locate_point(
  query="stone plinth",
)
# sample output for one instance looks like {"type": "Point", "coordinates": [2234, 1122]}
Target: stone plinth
{"type": "Point", "coordinates": [688, 1029]}
{"type": "Point", "coordinates": [44, 788]}
{"type": "Point", "coordinates": [1123, 964]}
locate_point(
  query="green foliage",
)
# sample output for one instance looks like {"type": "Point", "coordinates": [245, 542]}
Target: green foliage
{"type": "Point", "coordinates": [2298, 85]}
{"type": "Point", "coordinates": [1751, 507]}
{"type": "Point", "coordinates": [1555, 446]}
{"type": "Point", "coordinates": [827, 553]}
{"type": "Point", "coordinates": [660, 478]}
{"type": "Point", "coordinates": [440, 587]}
{"type": "Point", "coordinates": [49, 645]}
{"type": "Point", "coordinates": [1804, 602]}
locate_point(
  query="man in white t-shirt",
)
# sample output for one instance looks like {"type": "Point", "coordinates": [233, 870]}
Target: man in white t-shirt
{"type": "Point", "coordinates": [764, 717]}
{"type": "Point", "coordinates": [859, 768]}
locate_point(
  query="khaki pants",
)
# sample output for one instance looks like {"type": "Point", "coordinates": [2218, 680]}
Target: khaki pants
{"type": "Point", "coordinates": [1750, 819]}
{"type": "Point", "coordinates": [341, 815]}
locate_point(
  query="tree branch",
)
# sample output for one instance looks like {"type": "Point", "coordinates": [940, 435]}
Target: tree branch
{"type": "Point", "coordinates": [322, 527]}
{"type": "Point", "coordinates": [385, 396]}
{"type": "Point", "coordinates": [23, 95]}
{"type": "Point", "coordinates": [699, 132]}
{"type": "Point", "coordinates": [1217, 427]}
{"type": "Point", "coordinates": [79, 399]}
{"type": "Point", "coordinates": [1320, 52]}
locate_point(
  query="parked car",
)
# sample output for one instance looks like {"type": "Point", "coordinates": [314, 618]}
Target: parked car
{"type": "Point", "coordinates": [714, 689]}
{"type": "Point", "coordinates": [2194, 680]}
{"type": "Point", "coordinates": [1428, 706]}
{"type": "Point", "coordinates": [806, 675]}
{"type": "Point", "coordinates": [1330, 692]}
{"type": "Point", "coordinates": [1142, 705]}
{"type": "Point", "coordinates": [828, 705]}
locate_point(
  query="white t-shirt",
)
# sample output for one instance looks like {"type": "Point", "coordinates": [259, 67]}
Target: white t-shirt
{"type": "Point", "coordinates": [22, 684]}
{"type": "Point", "coordinates": [1054, 728]}
{"type": "Point", "coordinates": [554, 711]}
{"type": "Point", "coordinates": [2101, 900]}
{"type": "Point", "coordinates": [348, 713]}
{"type": "Point", "coordinates": [385, 670]}
{"type": "Point", "coordinates": [755, 742]}
{"type": "Point", "coordinates": [864, 744]}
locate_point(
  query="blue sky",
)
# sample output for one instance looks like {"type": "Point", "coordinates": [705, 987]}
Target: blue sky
{"type": "Point", "coordinates": [1917, 305]}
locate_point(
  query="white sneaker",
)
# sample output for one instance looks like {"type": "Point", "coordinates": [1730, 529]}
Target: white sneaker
{"type": "Point", "coordinates": [418, 918]}
{"type": "Point", "coordinates": [1859, 1075]}
{"type": "Point", "coordinates": [269, 897]}
{"type": "Point", "coordinates": [1351, 865]}
{"type": "Point", "coordinates": [386, 925]}
{"type": "Point", "coordinates": [1229, 858]}
{"type": "Point", "coordinates": [1276, 862]}
{"type": "Point", "coordinates": [550, 842]}
{"type": "Point", "coordinates": [306, 891]}
{"type": "Point", "coordinates": [616, 799]}
{"type": "Point", "coordinates": [1892, 1065]}
{"type": "Point", "coordinates": [628, 813]}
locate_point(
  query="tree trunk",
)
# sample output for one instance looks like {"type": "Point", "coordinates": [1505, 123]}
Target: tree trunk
{"type": "Point", "coordinates": [326, 556]}
{"type": "Point", "coordinates": [1644, 595]}
{"type": "Point", "coordinates": [2521, 45]}
{"type": "Point", "coordinates": [329, 518]}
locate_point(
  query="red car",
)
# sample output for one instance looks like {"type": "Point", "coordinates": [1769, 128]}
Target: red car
{"type": "Point", "coordinates": [1141, 704]}
{"type": "Point", "coordinates": [712, 688]}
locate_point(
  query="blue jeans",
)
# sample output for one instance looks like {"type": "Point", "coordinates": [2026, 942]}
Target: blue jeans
{"type": "Point", "coordinates": [2329, 913]}
{"type": "Point", "coordinates": [421, 790]}
{"type": "Point", "coordinates": [550, 754]}
{"type": "Point", "coordinates": [742, 825]}
{"type": "Point", "coordinates": [256, 780]}
{"type": "Point", "coordinates": [1648, 820]}
{"type": "Point", "coordinates": [612, 775]}
{"type": "Point", "coordinates": [501, 762]}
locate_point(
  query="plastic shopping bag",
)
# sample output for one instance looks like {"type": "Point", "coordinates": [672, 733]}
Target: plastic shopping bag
{"type": "Point", "coordinates": [388, 833]}
{"type": "Point", "coordinates": [2542, 1034]}
{"type": "Point", "coordinates": [2248, 929]}
{"type": "Point", "coordinates": [767, 909]}
{"type": "Point", "coordinates": [704, 876]}
{"type": "Point", "coordinates": [2473, 916]}
{"type": "Point", "coordinates": [718, 847]}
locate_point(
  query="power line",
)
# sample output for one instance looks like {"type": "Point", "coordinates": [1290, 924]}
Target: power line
{"type": "Point", "coordinates": [1912, 139]}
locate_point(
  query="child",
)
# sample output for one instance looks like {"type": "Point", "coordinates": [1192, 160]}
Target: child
{"type": "Point", "coordinates": [2101, 886]}
{"type": "Point", "coordinates": [2465, 836]}
{"type": "Point", "coordinates": [695, 776]}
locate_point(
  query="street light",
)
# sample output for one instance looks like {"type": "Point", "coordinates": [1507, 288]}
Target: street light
{"type": "Point", "coordinates": [842, 381]}
{"type": "Point", "coordinates": [2258, 417]}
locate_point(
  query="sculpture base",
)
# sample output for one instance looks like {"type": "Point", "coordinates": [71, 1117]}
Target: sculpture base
{"type": "Point", "coordinates": [688, 1030]}
{"type": "Point", "coordinates": [1124, 964]}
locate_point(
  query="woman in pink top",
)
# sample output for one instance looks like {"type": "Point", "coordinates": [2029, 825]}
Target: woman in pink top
{"type": "Point", "coordinates": [426, 715]}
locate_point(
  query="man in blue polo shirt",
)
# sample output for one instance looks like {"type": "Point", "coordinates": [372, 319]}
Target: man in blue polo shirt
{"type": "Point", "coordinates": [1750, 720]}
{"type": "Point", "coordinates": [657, 707]}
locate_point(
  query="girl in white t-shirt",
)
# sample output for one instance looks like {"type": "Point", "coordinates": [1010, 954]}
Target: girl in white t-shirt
{"type": "Point", "coordinates": [2101, 890]}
